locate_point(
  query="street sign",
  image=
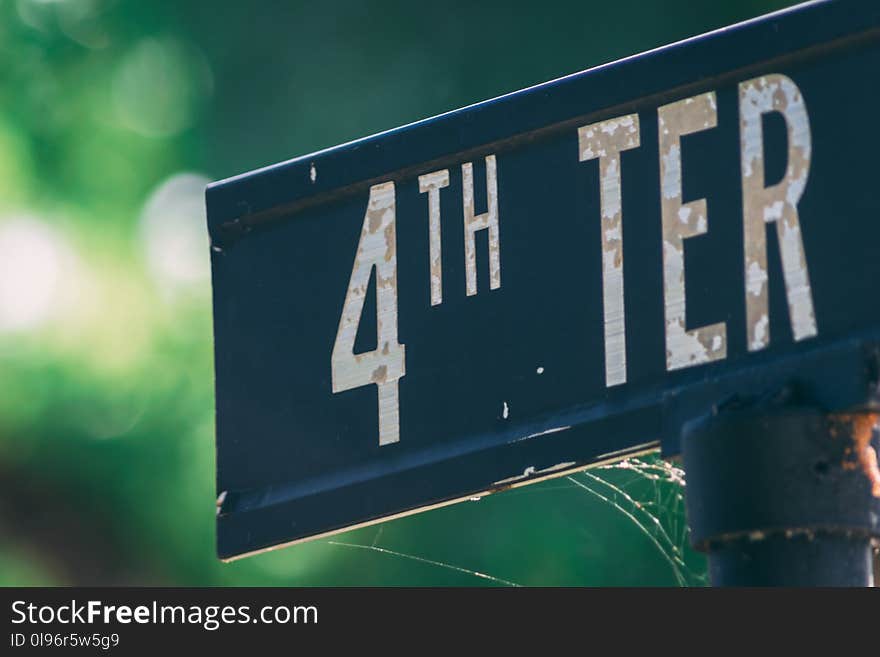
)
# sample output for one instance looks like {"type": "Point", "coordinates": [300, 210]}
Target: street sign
{"type": "Point", "coordinates": [556, 278]}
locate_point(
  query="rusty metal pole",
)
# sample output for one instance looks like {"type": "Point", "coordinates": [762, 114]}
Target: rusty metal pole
{"type": "Point", "coordinates": [784, 495]}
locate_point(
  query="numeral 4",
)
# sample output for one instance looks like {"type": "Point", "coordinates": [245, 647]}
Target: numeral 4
{"type": "Point", "coordinates": [386, 364]}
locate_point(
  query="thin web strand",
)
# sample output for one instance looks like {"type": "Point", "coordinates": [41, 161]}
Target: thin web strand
{"type": "Point", "coordinates": [431, 562]}
{"type": "Point", "coordinates": [673, 565]}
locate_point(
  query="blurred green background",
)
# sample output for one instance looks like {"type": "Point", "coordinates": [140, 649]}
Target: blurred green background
{"type": "Point", "coordinates": [114, 114]}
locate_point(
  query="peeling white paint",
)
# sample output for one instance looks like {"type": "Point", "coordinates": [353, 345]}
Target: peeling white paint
{"type": "Point", "coordinates": [756, 278]}
{"type": "Point", "coordinates": [386, 364]}
{"type": "Point", "coordinates": [761, 333]}
{"type": "Point", "coordinates": [606, 140]}
{"type": "Point", "coordinates": [776, 204]}
{"type": "Point", "coordinates": [505, 411]}
{"type": "Point", "coordinates": [684, 348]}
{"type": "Point", "coordinates": [313, 173]}
{"type": "Point", "coordinates": [432, 183]}
{"type": "Point", "coordinates": [540, 370]}
{"type": "Point", "coordinates": [487, 220]}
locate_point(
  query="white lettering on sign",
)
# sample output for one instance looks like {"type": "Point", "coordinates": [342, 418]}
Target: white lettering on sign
{"type": "Point", "coordinates": [473, 223]}
{"type": "Point", "coordinates": [775, 204]}
{"type": "Point", "coordinates": [606, 140]}
{"type": "Point", "coordinates": [377, 249]}
{"type": "Point", "coordinates": [432, 183]}
{"type": "Point", "coordinates": [680, 221]}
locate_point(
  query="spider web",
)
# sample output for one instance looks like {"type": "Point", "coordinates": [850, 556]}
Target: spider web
{"type": "Point", "coordinates": [648, 491]}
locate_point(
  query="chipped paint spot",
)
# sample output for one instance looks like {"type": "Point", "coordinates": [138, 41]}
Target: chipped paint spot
{"type": "Point", "coordinates": [761, 333]}
{"type": "Point", "coordinates": [606, 140]}
{"type": "Point", "coordinates": [540, 370]}
{"type": "Point", "coordinates": [505, 411]}
{"type": "Point", "coordinates": [377, 248]}
{"type": "Point", "coordinates": [380, 374]}
{"type": "Point", "coordinates": [543, 433]}
{"type": "Point", "coordinates": [432, 183]}
{"type": "Point", "coordinates": [776, 204]}
{"type": "Point", "coordinates": [220, 499]}
{"type": "Point", "coordinates": [313, 173]}
{"type": "Point", "coordinates": [531, 471]}
{"type": "Point", "coordinates": [487, 220]}
{"type": "Point", "coordinates": [684, 348]}
{"type": "Point", "coordinates": [548, 431]}
{"type": "Point", "coordinates": [756, 279]}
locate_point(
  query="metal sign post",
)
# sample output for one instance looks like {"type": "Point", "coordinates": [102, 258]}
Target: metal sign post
{"type": "Point", "coordinates": [565, 276]}
{"type": "Point", "coordinates": [806, 512]}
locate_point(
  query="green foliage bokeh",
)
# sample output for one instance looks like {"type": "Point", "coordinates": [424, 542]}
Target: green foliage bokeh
{"type": "Point", "coordinates": [106, 400]}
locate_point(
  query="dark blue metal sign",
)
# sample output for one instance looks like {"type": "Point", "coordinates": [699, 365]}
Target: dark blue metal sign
{"type": "Point", "coordinates": [552, 279]}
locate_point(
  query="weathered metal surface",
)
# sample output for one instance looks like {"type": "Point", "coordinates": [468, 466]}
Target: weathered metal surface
{"type": "Point", "coordinates": [684, 348]}
{"type": "Point", "coordinates": [804, 513]}
{"type": "Point", "coordinates": [487, 221]}
{"type": "Point", "coordinates": [861, 454]}
{"type": "Point", "coordinates": [432, 183]}
{"type": "Point", "coordinates": [606, 140]}
{"type": "Point", "coordinates": [776, 204]}
{"type": "Point", "coordinates": [383, 366]}
{"type": "Point", "coordinates": [676, 228]}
